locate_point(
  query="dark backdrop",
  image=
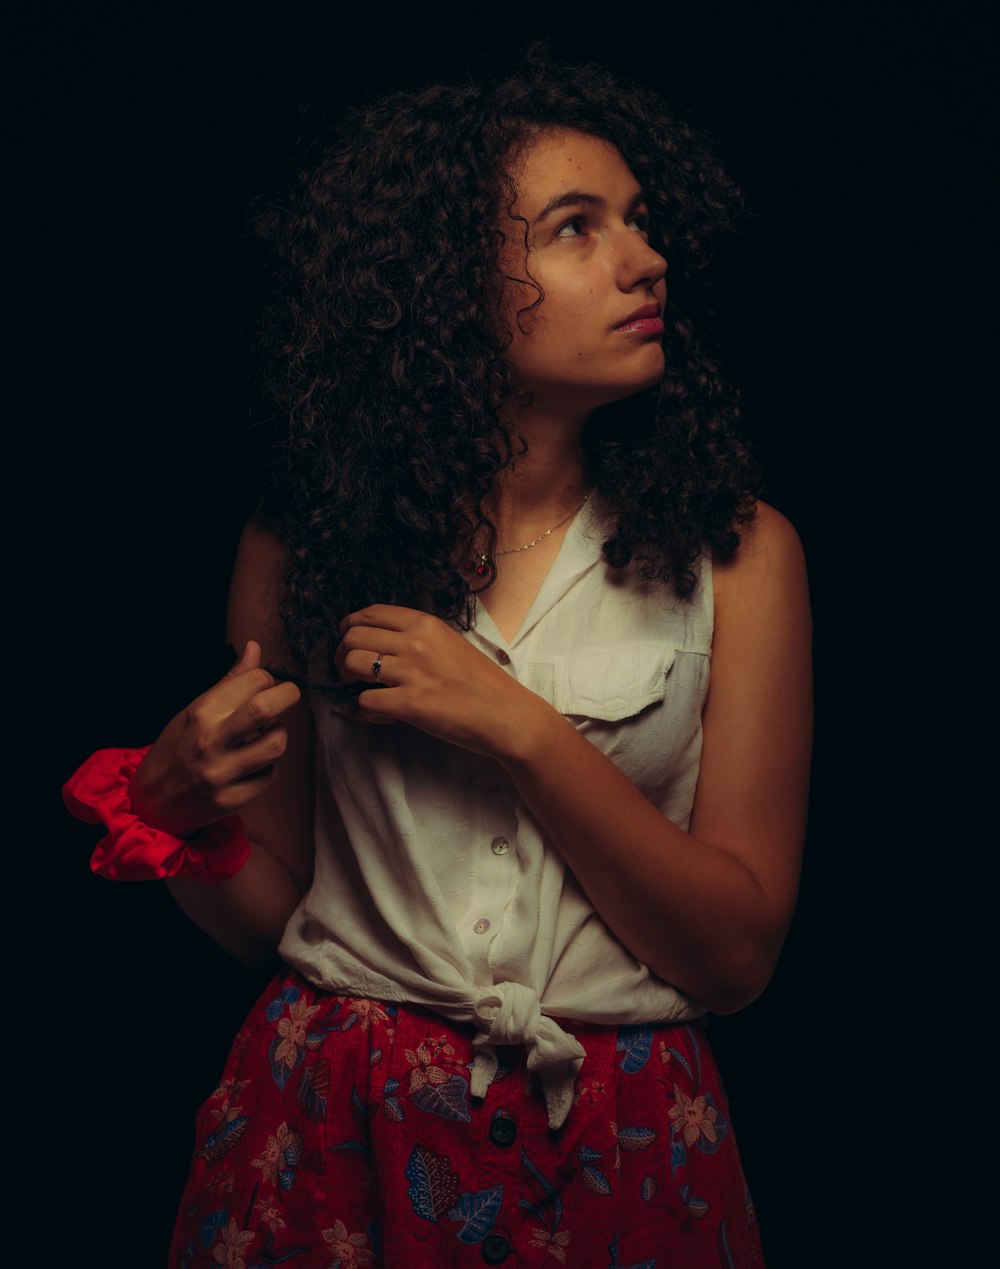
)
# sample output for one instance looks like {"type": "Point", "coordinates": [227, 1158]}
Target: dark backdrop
{"type": "Point", "coordinates": [146, 129]}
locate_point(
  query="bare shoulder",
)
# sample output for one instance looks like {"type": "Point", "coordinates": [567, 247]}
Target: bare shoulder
{"type": "Point", "coordinates": [255, 590]}
{"type": "Point", "coordinates": [768, 569]}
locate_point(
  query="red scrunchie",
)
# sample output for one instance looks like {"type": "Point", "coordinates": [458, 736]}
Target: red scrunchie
{"type": "Point", "coordinates": [98, 793]}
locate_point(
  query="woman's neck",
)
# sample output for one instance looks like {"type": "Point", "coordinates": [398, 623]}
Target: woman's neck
{"type": "Point", "coordinates": [544, 483]}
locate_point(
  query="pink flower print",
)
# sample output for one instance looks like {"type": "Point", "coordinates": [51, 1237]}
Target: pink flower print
{"type": "Point", "coordinates": [348, 1249]}
{"type": "Point", "coordinates": [283, 1145]}
{"type": "Point", "coordinates": [229, 1252]}
{"type": "Point", "coordinates": [294, 1031]}
{"type": "Point", "coordinates": [555, 1243]}
{"type": "Point", "coordinates": [269, 1215]}
{"type": "Point", "coordinates": [228, 1091]}
{"type": "Point", "coordinates": [426, 1061]}
{"type": "Point", "coordinates": [592, 1091]}
{"type": "Point", "coordinates": [367, 1012]}
{"type": "Point", "coordinates": [695, 1117]}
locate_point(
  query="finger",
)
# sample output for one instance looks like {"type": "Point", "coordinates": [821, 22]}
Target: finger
{"type": "Point", "coordinates": [240, 792]}
{"type": "Point", "coordinates": [366, 644]}
{"type": "Point", "coordinates": [258, 714]}
{"type": "Point", "coordinates": [371, 706]}
{"type": "Point", "coordinates": [232, 691]}
{"type": "Point", "coordinates": [236, 766]}
{"type": "Point", "coordinates": [249, 659]}
{"type": "Point", "coordinates": [382, 617]}
{"type": "Point", "coordinates": [359, 667]}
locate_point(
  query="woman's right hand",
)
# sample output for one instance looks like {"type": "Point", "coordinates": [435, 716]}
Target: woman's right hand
{"type": "Point", "coordinates": [219, 753]}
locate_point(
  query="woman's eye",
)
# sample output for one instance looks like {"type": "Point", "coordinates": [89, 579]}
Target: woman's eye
{"type": "Point", "coordinates": [572, 228]}
{"type": "Point", "coordinates": [640, 222]}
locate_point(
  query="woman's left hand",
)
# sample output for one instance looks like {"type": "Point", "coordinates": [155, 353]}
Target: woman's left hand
{"type": "Point", "coordinates": [432, 678]}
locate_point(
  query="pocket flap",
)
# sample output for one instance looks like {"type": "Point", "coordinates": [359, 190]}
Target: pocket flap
{"type": "Point", "coordinates": [613, 684]}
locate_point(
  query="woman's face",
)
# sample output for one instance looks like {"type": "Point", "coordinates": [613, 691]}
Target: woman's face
{"type": "Point", "coordinates": [596, 335]}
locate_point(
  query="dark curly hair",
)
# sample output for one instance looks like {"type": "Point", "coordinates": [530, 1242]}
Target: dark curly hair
{"type": "Point", "coordinates": [392, 370]}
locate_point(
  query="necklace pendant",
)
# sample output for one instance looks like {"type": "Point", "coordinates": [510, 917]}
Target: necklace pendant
{"type": "Point", "coordinates": [480, 565]}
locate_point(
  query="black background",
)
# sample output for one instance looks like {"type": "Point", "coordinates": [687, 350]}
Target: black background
{"type": "Point", "coordinates": [142, 132]}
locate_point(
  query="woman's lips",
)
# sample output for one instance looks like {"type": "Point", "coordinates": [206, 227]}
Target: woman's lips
{"type": "Point", "coordinates": [644, 321]}
{"type": "Point", "coordinates": [642, 326]}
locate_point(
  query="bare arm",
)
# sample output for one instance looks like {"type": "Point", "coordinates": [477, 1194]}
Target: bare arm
{"type": "Point", "coordinates": [244, 745]}
{"type": "Point", "coordinates": [708, 909]}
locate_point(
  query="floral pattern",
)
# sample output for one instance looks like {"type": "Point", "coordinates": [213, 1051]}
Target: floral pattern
{"type": "Point", "coordinates": [343, 1135]}
{"type": "Point", "coordinates": [229, 1252]}
{"type": "Point", "coordinates": [348, 1249]}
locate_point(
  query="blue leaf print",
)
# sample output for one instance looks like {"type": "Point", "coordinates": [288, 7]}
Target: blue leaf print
{"type": "Point", "coordinates": [210, 1227]}
{"type": "Point", "coordinates": [678, 1154]}
{"type": "Point", "coordinates": [223, 1139]}
{"type": "Point", "coordinates": [648, 1188]}
{"type": "Point", "coordinates": [595, 1181]}
{"type": "Point", "coordinates": [678, 1056]}
{"type": "Point", "coordinates": [479, 1211]}
{"type": "Point", "coordinates": [450, 1101]}
{"type": "Point", "coordinates": [313, 1089]}
{"type": "Point", "coordinates": [433, 1185]}
{"type": "Point", "coordinates": [551, 1194]}
{"type": "Point", "coordinates": [392, 1108]}
{"type": "Point", "coordinates": [390, 1086]}
{"type": "Point", "coordinates": [636, 1138]}
{"type": "Point", "coordinates": [635, 1043]}
{"type": "Point", "coordinates": [275, 1009]}
{"type": "Point", "coordinates": [286, 1178]}
{"type": "Point", "coordinates": [361, 1110]}
{"type": "Point", "coordinates": [697, 1206]}
{"type": "Point", "coordinates": [281, 1071]}
{"type": "Point", "coordinates": [586, 1155]}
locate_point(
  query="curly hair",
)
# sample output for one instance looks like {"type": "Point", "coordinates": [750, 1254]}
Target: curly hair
{"type": "Point", "coordinates": [392, 356]}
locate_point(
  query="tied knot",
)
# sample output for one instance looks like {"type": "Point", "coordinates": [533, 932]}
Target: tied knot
{"type": "Point", "coordinates": [510, 1013]}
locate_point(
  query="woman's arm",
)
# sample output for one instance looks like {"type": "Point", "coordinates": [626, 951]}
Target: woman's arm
{"type": "Point", "coordinates": [244, 745]}
{"type": "Point", "coordinates": [708, 909]}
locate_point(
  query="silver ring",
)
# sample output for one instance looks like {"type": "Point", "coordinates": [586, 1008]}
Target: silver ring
{"type": "Point", "coordinates": [377, 666]}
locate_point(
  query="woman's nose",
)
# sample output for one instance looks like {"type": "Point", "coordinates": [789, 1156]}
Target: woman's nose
{"type": "Point", "coordinates": [641, 264]}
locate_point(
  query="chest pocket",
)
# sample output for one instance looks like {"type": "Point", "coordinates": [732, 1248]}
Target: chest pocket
{"type": "Point", "coordinates": [613, 684]}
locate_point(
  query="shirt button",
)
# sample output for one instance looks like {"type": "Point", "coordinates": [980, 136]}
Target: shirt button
{"type": "Point", "coordinates": [503, 1130]}
{"type": "Point", "coordinates": [495, 1249]}
{"type": "Point", "coordinates": [499, 845]}
{"type": "Point", "coordinates": [481, 926]}
{"type": "Point", "coordinates": [502, 657]}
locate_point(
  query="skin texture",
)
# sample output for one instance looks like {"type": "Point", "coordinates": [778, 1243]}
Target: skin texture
{"type": "Point", "coordinates": [591, 257]}
{"type": "Point", "coordinates": [707, 909]}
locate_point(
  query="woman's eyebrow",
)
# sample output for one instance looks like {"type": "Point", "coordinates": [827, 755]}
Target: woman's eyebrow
{"type": "Point", "coordinates": [574, 197]}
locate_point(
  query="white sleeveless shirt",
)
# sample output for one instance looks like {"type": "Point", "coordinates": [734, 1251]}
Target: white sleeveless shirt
{"type": "Point", "coordinates": [434, 885]}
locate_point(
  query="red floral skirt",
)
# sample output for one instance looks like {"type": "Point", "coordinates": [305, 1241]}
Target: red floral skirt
{"type": "Point", "coordinates": [343, 1134]}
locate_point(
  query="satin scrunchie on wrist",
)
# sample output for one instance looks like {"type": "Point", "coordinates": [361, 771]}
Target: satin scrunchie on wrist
{"type": "Point", "coordinates": [98, 793]}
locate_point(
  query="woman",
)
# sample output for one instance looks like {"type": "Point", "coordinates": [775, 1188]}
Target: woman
{"type": "Point", "coordinates": [510, 527]}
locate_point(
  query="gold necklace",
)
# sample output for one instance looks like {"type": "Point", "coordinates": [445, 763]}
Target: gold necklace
{"type": "Point", "coordinates": [482, 563]}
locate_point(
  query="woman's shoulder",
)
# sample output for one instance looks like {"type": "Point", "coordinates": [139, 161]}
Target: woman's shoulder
{"type": "Point", "coordinates": [763, 586]}
{"type": "Point", "coordinates": [770, 556]}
